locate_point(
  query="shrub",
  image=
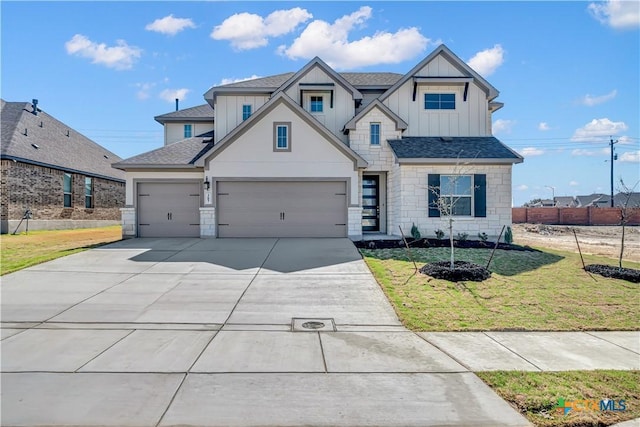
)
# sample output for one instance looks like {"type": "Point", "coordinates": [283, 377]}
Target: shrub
{"type": "Point", "coordinates": [508, 236]}
{"type": "Point", "coordinates": [483, 237]}
{"type": "Point", "coordinates": [415, 233]}
{"type": "Point", "coordinates": [462, 237]}
{"type": "Point", "coordinates": [439, 234]}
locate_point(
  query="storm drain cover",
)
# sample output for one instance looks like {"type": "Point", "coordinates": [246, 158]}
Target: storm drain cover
{"type": "Point", "coordinates": [312, 325]}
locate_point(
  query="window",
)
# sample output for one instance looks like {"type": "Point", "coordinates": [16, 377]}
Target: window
{"type": "Point", "coordinates": [187, 131]}
{"type": "Point", "coordinates": [374, 132]}
{"type": "Point", "coordinates": [282, 136]}
{"type": "Point", "coordinates": [246, 111]}
{"type": "Point", "coordinates": [67, 190]}
{"type": "Point", "coordinates": [457, 191]}
{"type": "Point", "coordinates": [316, 104]}
{"type": "Point", "coordinates": [439, 101]}
{"type": "Point", "coordinates": [88, 193]}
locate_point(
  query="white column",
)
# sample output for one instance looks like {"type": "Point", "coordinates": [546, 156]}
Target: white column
{"type": "Point", "coordinates": [128, 222]}
{"type": "Point", "coordinates": [208, 222]}
{"type": "Point", "coordinates": [355, 223]}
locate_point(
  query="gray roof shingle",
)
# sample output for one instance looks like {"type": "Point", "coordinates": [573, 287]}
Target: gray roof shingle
{"type": "Point", "coordinates": [49, 142]}
{"type": "Point", "coordinates": [356, 79]}
{"type": "Point", "coordinates": [463, 147]}
{"type": "Point", "coordinates": [202, 112]}
{"type": "Point", "coordinates": [184, 153]}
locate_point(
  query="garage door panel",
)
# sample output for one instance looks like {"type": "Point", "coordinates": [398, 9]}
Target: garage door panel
{"type": "Point", "coordinates": [168, 209]}
{"type": "Point", "coordinates": [282, 209]}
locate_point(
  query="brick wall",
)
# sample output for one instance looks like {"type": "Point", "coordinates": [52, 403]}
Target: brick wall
{"type": "Point", "coordinates": [574, 216]}
{"type": "Point", "coordinates": [40, 189]}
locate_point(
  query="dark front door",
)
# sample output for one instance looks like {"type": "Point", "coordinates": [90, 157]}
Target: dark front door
{"type": "Point", "coordinates": [370, 203]}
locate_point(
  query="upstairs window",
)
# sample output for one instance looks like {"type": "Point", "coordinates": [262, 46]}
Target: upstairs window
{"type": "Point", "coordinates": [374, 133]}
{"type": "Point", "coordinates": [67, 186]}
{"type": "Point", "coordinates": [439, 101]}
{"type": "Point", "coordinates": [88, 193]}
{"type": "Point", "coordinates": [457, 192]}
{"type": "Point", "coordinates": [246, 111]}
{"type": "Point", "coordinates": [188, 131]}
{"type": "Point", "coordinates": [282, 136]}
{"type": "Point", "coordinates": [316, 104]}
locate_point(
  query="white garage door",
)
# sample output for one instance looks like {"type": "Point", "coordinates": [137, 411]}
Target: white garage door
{"type": "Point", "coordinates": [168, 209]}
{"type": "Point", "coordinates": [282, 209]}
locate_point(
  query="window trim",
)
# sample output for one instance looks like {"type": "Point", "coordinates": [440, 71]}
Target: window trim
{"type": "Point", "coordinates": [246, 115]}
{"type": "Point", "coordinates": [371, 134]}
{"type": "Point", "coordinates": [67, 193]}
{"type": "Point", "coordinates": [184, 129]}
{"type": "Point", "coordinates": [277, 125]}
{"type": "Point", "coordinates": [88, 197]}
{"type": "Point", "coordinates": [319, 100]}
{"type": "Point", "coordinates": [471, 196]}
{"type": "Point", "coordinates": [440, 109]}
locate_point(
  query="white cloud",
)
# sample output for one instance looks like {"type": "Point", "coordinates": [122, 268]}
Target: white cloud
{"type": "Point", "coordinates": [522, 187]}
{"type": "Point", "coordinates": [630, 157]}
{"type": "Point", "coordinates": [250, 31]}
{"type": "Point", "coordinates": [598, 130]}
{"type": "Point", "coordinates": [573, 183]}
{"type": "Point", "coordinates": [590, 100]}
{"type": "Point", "coordinates": [487, 61]}
{"type": "Point", "coordinates": [619, 14]}
{"type": "Point", "coordinates": [227, 81]}
{"type": "Point", "coordinates": [531, 151]}
{"type": "Point", "coordinates": [589, 153]}
{"type": "Point", "coordinates": [170, 25]}
{"type": "Point", "coordinates": [543, 126]}
{"type": "Point", "coordinates": [331, 43]}
{"type": "Point", "coordinates": [503, 126]}
{"type": "Point", "coordinates": [143, 90]}
{"type": "Point", "coordinates": [170, 95]}
{"type": "Point", "coordinates": [121, 57]}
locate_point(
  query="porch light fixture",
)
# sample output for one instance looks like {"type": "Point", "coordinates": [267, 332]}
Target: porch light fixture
{"type": "Point", "coordinates": [206, 183]}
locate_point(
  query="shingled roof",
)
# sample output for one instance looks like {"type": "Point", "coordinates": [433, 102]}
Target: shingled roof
{"type": "Point", "coordinates": [202, 112]}
{"type": "Point", "coordinates": [424, 149]}
{"type": "Point", "coordinates": [179, 154]}
{"type": "Point", "coordinates": [356, 79]}
{"type": "Point", "coordinates": [43, 140]}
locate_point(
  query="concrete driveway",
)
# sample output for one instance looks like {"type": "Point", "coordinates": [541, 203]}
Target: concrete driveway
{"type": "Point", "coordinates": [229, 332]}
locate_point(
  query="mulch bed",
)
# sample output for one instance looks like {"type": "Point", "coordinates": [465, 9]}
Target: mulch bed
{"type": "Point", "coordinates": [438, 243]}
{"type": "Point", "coordinates": [463, 271]}
{"type": "Point", "coordinates": [628, 274]}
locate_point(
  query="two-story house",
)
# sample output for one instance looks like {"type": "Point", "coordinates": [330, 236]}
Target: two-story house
{"type": "Point", "coordinates": [317, 153]}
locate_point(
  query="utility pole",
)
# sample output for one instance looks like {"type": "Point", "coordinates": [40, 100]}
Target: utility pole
{"type": "Point", "coordinates": [611, 144]}
{"type": "Point", "coordinates": [553, 193]}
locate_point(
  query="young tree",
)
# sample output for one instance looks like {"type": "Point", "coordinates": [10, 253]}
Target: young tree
{"type": "Point", "coordinates": [625, 212]}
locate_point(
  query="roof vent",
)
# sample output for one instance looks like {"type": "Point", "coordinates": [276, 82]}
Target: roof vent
{"type": "Point", "coordinates": [36, 146]}
{"type": "Point", "coordinates": [35, 107]}
{"type": "Point", "coordinates": [446, 138]}
{"type": "Point", "coordinates": [67, 133]}
{"type": "Point", "coordinates": [105, 156]}
{"type": "Point", "coordinates": [25, 132]}
{"type": "Point", "coordinates": [177, 103]}
{"type": "Point", "coordinates": [41, 124]}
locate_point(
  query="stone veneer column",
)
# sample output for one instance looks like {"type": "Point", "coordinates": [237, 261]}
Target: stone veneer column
{"type": "Point", "coordinates": [128, 222]}
{"type": "Point", "coordinates": [208, 222]}
{"type": "Point", "coordinates": [354, 226]}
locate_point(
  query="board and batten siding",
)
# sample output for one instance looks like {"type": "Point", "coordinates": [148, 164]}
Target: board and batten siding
{"type": "Point", "coordinates": [470, 118]}
{"type": "Point", "coordinates": [174, 132]}
{"type": "Point", "coordinates": [343, 105]}
{"type": "Point", "coordinates": [229, 111]}
{"type": "Point", "coordinates": [311, 156]}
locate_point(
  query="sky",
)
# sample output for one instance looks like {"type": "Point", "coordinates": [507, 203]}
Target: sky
{"type": "Point", "coordinates": [567, 72]}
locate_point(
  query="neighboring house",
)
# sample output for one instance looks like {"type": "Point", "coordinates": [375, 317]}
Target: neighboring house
{"type": "Point", "coordinates": [317, 153]}
{"type": "Point", "coordinates": [604, 200]}
{"type": "Point", "coordinates": [62, 177]}
{"type": "Point", "coordinates": [565, 202]}
{"type": "Point", "coordinates": [543, 203]}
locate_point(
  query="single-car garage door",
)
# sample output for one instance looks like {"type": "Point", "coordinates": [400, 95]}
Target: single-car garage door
{"type": "Point", "coordinates": [168, 209]}
{"type": "Point", "coordinates": [282, 209]}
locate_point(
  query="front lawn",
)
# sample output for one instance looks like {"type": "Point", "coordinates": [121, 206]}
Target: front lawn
{"type": "Point", "coordinates": [24, 250]}
{"type": "Point", "coordinates": [536, 395]}
{"type": "Point", "coordinates": [546, 290]}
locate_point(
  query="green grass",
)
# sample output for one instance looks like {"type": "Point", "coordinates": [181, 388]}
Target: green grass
{"type": "Point", "coordinates": [536, 394]}
{"type": "Point", "coordinates": [546, 290]}
{"type": "Point", "coordinates": [24, 250]}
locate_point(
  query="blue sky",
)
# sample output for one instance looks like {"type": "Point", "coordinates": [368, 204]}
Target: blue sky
{"type": "Point", "coordinates": [568, 72]}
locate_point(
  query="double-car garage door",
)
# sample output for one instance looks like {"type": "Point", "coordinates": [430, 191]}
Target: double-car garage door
{"type": "Point", "coordinates": [246, 209]}
{"type": "Point", "coordinates": [282, 209]}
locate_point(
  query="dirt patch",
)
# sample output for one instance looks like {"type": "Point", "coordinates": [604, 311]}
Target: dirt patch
{"type": "Point", "coordinates": [594, 240]}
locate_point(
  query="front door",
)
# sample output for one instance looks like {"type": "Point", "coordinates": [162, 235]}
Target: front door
{"type": "Point", "coordinates": [370, 203]}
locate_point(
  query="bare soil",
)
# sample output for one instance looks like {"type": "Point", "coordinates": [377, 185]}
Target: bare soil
{"type": "Point", "coordinates": [595, 240]}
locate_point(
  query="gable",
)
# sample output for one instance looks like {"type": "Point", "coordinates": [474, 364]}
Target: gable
{"type": "Point", "coordinates": [252, 141]}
